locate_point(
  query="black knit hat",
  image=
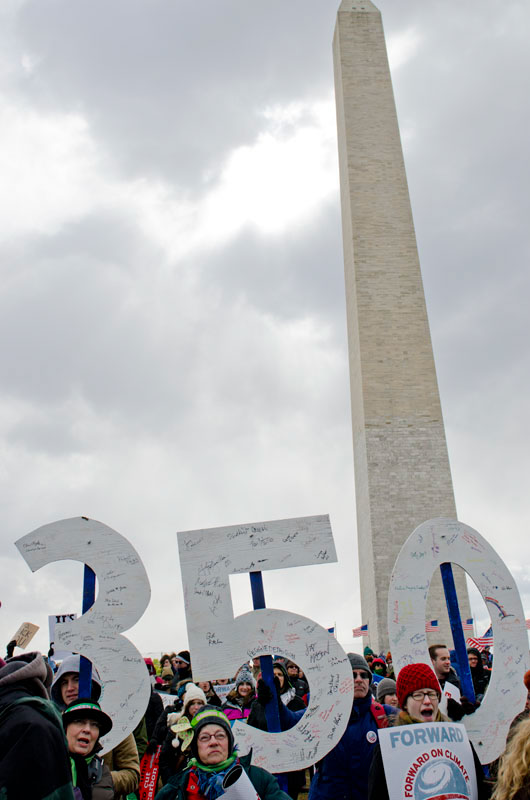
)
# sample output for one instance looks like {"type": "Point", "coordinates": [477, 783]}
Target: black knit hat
{"type": "Point", "coordinates": [87, 709]}
{"type": "Point", "coordinates": [211, 715]}
{"type": "Point", "coordinates": [358, 662]}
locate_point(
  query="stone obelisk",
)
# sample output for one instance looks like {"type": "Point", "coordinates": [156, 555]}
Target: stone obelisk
{"type": "Point", "coordinates": [402, 473]}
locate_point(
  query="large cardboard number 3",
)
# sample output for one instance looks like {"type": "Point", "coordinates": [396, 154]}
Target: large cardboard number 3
{"type": "Point", "coordinates": [220, 642]}
{"type": "Point", "coordinates": [444, 540]}
{"type": "Point", "coordinates": [122, 598]}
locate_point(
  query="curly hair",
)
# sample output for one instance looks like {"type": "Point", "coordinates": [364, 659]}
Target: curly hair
{"type": "Point", "coordinates": [514, 767]}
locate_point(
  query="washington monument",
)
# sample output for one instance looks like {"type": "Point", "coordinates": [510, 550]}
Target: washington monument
{"type": "Point", "coordinates": [402, 473]}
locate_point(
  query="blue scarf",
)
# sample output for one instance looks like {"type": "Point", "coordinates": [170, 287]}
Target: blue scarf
{"type": "Point", "coordinates": [211, 778]}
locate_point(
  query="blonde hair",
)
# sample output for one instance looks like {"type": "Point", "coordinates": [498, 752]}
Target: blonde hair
{"type": "Point", "coordinates": [514, 767]}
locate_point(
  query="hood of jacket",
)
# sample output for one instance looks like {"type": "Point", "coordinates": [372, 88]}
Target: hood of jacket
{"type": "Point", "coordinates": [72, 664]}
{"type": "Point", "coordinates": [28, 671]}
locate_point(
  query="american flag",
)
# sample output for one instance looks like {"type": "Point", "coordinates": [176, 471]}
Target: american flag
{"type": "Point", "coordinates": [331, 630]}
{"type": "Point", "coordinates": [362, 631]}
{"type": "Point", "coordinates": [481, 642]}
{"type": "Point", "coordinates": [431, 626]}
{"type": "Point", "coordinates": [467, 625]}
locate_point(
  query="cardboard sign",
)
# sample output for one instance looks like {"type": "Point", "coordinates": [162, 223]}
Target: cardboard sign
{"type": "Point", "coordinates": [25, 634]}
{"type": "Point", "coordinates": [428, 761]}
{"type": "Point", "coordinates": [122, 598]}
{"type": "Point", "coordinates": [220, 642]}
{"type": "Point", "coordinates": [58, 619]}
{"type": "Point", "coordinates": [450, 692]}
{"type": "Point", "coordinates": [446, 540]}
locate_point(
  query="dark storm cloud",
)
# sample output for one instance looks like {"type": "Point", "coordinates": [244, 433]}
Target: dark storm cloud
{"type": "Point", "coordinates": [170, 87]}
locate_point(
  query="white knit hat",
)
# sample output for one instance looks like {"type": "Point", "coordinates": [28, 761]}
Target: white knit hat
{"type": "Point", "coordinates": [192, 692]}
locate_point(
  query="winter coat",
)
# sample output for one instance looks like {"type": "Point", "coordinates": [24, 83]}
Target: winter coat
{"type": "Point", "coordinates": [124, 766]}
{"type": "Point", "coordinates": [264, 783]}
{"type": "Point", "coordinates": [235, 707]}
{"type": "Point", "coordinates": [343, 772]}
{"type": "Point", "coordinates": [94, 775]}
{"type": "Point", "coordinates": [160, 730]}
{"type": "Point", "coordinates": [34, 760]}
{"type": "Point", "coordinates": [479, 675]}
{"type": "Point", "coordinates": [154, 708]}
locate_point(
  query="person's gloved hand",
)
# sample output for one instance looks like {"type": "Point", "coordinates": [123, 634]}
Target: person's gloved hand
{"type": "Point", "coordinates": [10, 648]}
{"type": "Point", "coordinates": [456, 711]}
{"type": "Point", "coordinates": [151, 746]}
{"type": "Point", "coordinates": [468, 706]}
{"type": "Point", "coordinates": [264, 694]}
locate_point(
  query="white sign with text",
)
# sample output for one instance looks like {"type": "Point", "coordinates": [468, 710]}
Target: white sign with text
{"type": "Point", "coordinates": [122, 598]}
{"type": "Point", "coordinates": [428, 760]}
{"type": "Point", "coordinates": [220, 642]}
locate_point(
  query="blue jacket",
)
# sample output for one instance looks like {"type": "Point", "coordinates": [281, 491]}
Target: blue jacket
{"type": "Point", "coordinates": [343, 773]}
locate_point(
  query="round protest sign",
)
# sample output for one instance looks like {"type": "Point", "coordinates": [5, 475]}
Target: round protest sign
{"type": "Point", "coordinates": [439, 541]}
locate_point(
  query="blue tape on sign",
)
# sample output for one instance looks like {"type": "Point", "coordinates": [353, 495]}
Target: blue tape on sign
{"type": "Point", "coordinates": [451, 600]}
{"type": "Point", "coordinates": [271, 710]}
{"type": "Point", "coordinates": [85, 667]}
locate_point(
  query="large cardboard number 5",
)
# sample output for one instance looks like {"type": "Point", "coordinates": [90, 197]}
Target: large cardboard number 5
{"type": "Point", "coordinates": [220, 643]}
{"type": "Point", "coordinates": [122, 598]}
{"type": "Point", "coordinates": [445, 540]}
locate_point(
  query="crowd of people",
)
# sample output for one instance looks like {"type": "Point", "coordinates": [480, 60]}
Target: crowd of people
{"type": "Point", "coordinates": [50, 737]}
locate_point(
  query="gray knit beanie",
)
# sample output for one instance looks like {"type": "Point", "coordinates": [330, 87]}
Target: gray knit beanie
{"type": "Point", "coordinates": [384, 687]}
{"type": "Point", "coordinates": [358, 662]}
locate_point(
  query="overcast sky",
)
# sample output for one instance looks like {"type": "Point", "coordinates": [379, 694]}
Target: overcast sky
{"type": "Point", "coordinates": [172, 300]}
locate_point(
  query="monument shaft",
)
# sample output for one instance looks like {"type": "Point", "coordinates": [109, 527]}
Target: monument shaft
{"type": "Point", "coordinates": [402, 473]}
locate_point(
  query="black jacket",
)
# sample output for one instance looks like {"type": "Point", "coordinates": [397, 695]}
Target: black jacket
{"type": "Point", "coordinates": [34, 760]}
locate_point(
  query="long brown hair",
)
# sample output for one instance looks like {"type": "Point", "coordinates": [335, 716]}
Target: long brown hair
{"type": "Point", "coordinates": [514, 767]}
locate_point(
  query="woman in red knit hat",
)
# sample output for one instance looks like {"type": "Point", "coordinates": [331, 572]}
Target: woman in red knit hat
{"type": "Point", "coordinates": [419, 695]}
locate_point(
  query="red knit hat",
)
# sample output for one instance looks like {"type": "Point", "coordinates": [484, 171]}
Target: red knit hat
{"type": "Point", "coordinates": [414, 677]}
{"type": "Point", "coordinates": [526, 680]}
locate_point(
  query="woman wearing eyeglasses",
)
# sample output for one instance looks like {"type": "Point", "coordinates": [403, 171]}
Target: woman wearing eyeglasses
{"type": "Point", "coordinates": [214, 754]}
{"type": "Point", "coordinates": [419, 694]}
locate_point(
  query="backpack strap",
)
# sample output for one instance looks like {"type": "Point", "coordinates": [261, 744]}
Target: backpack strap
{"type": "Point", "coordinates": [379, 714]}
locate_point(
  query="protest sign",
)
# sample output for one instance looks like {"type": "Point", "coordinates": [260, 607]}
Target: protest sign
{"type": "Point", "coordinates": [238, 786]}
{"type": "Point", "coordinates": [223, 689]}
{"type": "Point", "coordinates": [440, 541]}
{"type": "Point", "coordinates": [167, 699]}
{"type": "Point", "coordinates": [25, 634]}
{"type": "Point", "coordinates": [220, 642]}
{"type": "Point", "coordinates": [98, 634]}
{"type": "Point", "coordinates": [450, 692]}
{"type": "Point", "coordinates": [149, 767]}
{"type": "Point", "coordinates": [428, 761]}
{"type": "Point", "coordinates": [53, 620]}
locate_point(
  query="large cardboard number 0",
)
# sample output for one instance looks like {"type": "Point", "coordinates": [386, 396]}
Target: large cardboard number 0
{"type": "Point", "coordinates": [122, 598]}
{"type": "Point", "coordinates": [445, 540]}
{"type": "Point", "coordinates": [220, 643]}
